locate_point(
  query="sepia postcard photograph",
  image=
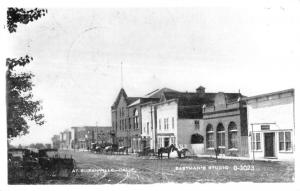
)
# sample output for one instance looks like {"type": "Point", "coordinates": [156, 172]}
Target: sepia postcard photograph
{"type": "Point", "coordinates": [150, 95]}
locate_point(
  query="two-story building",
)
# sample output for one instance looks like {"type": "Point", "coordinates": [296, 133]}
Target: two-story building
{"type": "Point", "coordinates": [130, 118]}
{"type": "Point", "coordinates": [126, 122]}
{"type": "Point", "coordinates": [271, 125]}
{"type": "Point", "coordinates": [180, 117]}
{"type": "Point", "coordinates": [149, 116]}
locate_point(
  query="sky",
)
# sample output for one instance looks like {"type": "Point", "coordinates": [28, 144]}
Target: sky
{"type": "Point", "coordinates": [78, 53]}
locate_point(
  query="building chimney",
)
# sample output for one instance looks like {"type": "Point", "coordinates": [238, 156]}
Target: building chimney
{"type": "Point", "coordinates": [201, 90]}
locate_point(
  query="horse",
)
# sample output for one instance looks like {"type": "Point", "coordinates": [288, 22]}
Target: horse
{"type": "Point", "coordinates": [111, 148]}
{"type": "Point", "coordinates": [122, 149]}
{"type": "Point", "coordinates": [181, 152]}
{"type": "Point", "coordinates": [166, 150]}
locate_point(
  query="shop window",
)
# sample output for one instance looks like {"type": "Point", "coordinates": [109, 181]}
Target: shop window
{"type": "Point", "coordinates": [209, 136]}
{"type": "Point", "coordinates": [232, 135]}
{"type": "Point", "coordinates": [159, 142]}
{"type": "Point", "coordinates": [285, 141]}
{"type": "Point", "coordinates": [256, 141]}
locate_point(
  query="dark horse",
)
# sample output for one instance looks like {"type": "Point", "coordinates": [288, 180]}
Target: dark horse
{"type": "Point", "coordinates": [166, 150]}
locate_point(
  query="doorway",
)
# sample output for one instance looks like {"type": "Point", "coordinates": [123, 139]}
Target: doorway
{"type": "Point", "coordinates": [269, 144]}
{"type": "Point", "coordinates": [166, 142]}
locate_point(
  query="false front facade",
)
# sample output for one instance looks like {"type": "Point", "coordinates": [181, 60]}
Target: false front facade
{"type": "Point", "coordinates": [271, 122]}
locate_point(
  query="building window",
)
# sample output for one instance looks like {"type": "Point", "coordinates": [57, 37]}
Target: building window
{"type": "Point", "coordinates": [125, 126]}
{"type": "Point", "coordinates": [159, 142]}
{"type": "Point", "coordinates": [172, 122]}
{"type": "Point", "coordinates": [136, 116]}
{"type": "Point", "coordinates": [232, 135]}
{"type": "Point", "coordinates": [220, 135]}
{"type": "Point", "coordinates": [209, 136]}
{"type": "Point", "coordinates": [256, 141]}
{"type": "Point", "coordinates": [165, 123]}
{"type": "Point", "coordinates": [167, 126]}
{"type": "Point", "coordinates": [285, 141]}
{"type": "Point", "coordinates": [159, 124]}
{"type": "Point", "coordinates": [197, 125]}
{"type": "Point", "coordinates": [129, 123]}
{"type": "Point", "coordinates": [147, 128]}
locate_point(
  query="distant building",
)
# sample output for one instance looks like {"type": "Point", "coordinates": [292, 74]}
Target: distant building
{"type": "Point", "coordinates": [55, 141]}
{"type": "Point", "coordinates": [271, 125]}
{"type": "Point", "coordinates": [65, 140]}
{"type": "Point", "coordinates": [225, 126]}
{"type": "Point", "coordinates": [84, 137]}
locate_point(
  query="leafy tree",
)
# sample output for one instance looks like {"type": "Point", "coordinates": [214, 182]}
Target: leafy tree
{"type": "Point", "coordinates": [20, 104]}
{"type": "Point", "coordinates": [20, 15]}
{"type": "Point", "coordinates": [39, 146]}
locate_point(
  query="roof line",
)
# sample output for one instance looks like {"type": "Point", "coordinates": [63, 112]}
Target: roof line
{"type": "Point", "coordinates": [269, 94]}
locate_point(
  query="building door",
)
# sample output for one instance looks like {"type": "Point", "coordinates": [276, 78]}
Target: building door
{"type": "Point", "coordinates": [166, 142]}
{"type": "Point", "coordinates": [269, 144]}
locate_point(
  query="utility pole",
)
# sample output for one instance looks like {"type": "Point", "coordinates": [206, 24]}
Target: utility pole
{"type": "Point", "coordinates": [252, 141]}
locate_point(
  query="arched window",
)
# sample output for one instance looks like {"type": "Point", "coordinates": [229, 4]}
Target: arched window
{"type": "Point", "coordinates": [232, 135]}
{"type": "Point", "coordinates": [220, 136]}
{"type": "Point", "coordinates": [209, 136]}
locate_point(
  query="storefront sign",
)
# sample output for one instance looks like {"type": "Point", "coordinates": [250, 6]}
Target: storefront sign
{"type": "Point", "coordinates": [265, 127]}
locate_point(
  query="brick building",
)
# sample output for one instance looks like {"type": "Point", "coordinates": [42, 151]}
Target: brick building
{"type": "Point", "coordinates": [180, 117]}
{"type": "Point", "coordinates": [225, 126]}
{"type": "Point", "coordinates": [127, 119]}
{"type": "Point", "coordinates": [126, 122]}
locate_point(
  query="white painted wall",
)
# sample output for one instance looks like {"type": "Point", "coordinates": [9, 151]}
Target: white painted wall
{"type": "Point", "coordinates": [278, 110]}
{"type": "Point", "coordinates": [146, 118]}
{"type": "Point", "coordinates": [167, 110]}
{"type": "Point", "coordinates": [197, 149]}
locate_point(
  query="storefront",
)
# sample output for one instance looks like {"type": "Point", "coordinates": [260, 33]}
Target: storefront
{"type": "Point", "coordinates": [166, 139]}
{"type": "Point", "coordinates": [271, 125]}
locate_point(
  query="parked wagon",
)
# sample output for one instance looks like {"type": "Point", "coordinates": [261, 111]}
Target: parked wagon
{"type": "Point", "coordinates": [23, 166]}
